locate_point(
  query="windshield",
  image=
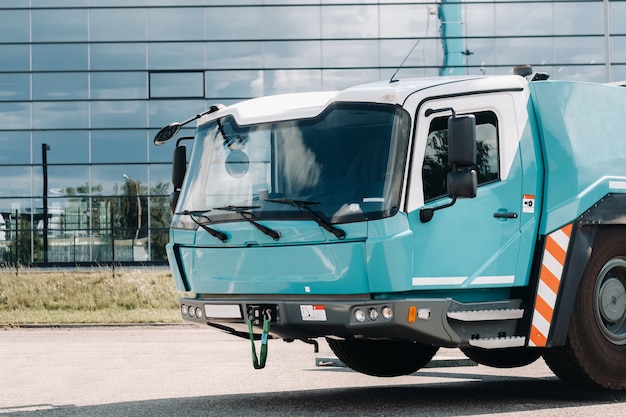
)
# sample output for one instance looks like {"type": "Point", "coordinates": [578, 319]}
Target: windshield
{"type": "Point", "coordinates": [346, 165]}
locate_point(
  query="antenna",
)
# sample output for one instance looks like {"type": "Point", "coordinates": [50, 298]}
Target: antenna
{"type": "Point", "coordinates": [403, 61]}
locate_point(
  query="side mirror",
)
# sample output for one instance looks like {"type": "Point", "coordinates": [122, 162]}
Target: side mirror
{"type": "Point", "coordinates": [179, 168]}
{"type": "Point", "coordinates": [463, 184]}
{"type": "Point", "coordinates": [462, 140]}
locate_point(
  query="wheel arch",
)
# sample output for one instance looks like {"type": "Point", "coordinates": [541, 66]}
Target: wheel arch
{"type": "Point", "coordinates": [605, 216]}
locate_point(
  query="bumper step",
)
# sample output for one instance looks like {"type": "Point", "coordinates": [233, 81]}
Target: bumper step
{"type": "Point", "coordinates": [485, 315]}
{"type": "Point", "coordinates": [499, 342]}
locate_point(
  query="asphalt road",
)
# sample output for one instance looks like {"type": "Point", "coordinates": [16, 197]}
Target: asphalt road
{"type": "Point", "coordinates": [192, 371]}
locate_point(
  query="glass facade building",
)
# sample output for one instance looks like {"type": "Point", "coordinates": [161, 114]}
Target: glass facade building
{"type": "Point", "coordinates": [85, 85]}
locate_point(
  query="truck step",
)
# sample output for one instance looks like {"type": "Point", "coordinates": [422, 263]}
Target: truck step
{"type": "Point", "coordinates": [499, 342]}
{"type": "Point", "coordinates": [483, 315]}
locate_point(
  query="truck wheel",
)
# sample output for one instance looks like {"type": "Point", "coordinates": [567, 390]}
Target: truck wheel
{"type": "Point", "coordinates": [595, 351]}
{"type": "Point", "coordinates": [382, 357]}
{"type": "Point", "coordinates": [502, 358]}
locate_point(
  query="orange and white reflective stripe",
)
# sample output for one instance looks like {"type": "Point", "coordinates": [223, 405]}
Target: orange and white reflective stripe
{"type": "Point", "coordinates": [552, 264]}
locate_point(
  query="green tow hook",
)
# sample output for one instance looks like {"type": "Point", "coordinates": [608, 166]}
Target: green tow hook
{"type": "Point", "coordinates": [259, 362]}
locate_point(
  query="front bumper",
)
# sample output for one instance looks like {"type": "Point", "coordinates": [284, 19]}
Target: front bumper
{"type": "Point", "coordinates": [422, 320]}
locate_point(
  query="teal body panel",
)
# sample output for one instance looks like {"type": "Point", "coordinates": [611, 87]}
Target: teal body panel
{"type": "Point", "coordinates": [583, 129]}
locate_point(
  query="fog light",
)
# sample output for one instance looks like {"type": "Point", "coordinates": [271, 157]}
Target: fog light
{"type": "Point", "coordinates": [190, 311]}
{"type": "Point", "coordinates": [183, 309]}
{"type": "Point", "coordinates": [387, 313]}
{"type": "Point", "coordinates": [198, 312]}
{"type": "Point", "coordinates": [359, 315]}
{"type": "Point", "coordinates": [373, 313]}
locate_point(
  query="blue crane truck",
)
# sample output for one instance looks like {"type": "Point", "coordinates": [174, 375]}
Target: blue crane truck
{"type": "Point", "coordinates": [486, 213]}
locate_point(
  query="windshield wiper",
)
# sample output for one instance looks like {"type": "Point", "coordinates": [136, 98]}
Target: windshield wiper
{"type": "Point", "coordinates": [304, 207]}
{"type": "Point", "coordinates": [201, 213]}
{"type": "Point", "coordinates": [244, 211]}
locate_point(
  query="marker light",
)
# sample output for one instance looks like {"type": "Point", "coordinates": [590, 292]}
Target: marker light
{"type": "Point", "coordinates": [198, 312]}
{"type": "Point", "coordinates": [387, 313]}
{"type": "Point", "coordinates": [359, 315]}
{"type": "Point", "coordinates": [373, 314]}
{"type": "Point", "coordinates": [183, 309]}
{"type": "Point", "coordinates": [190, 311]}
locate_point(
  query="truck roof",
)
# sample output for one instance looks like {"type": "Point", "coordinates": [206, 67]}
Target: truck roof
{"type": "Point", "coordinates": [310, 104]}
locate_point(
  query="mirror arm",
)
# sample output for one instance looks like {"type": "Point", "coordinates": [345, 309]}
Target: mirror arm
{"type": "Point", "coordinates": [426, 214]}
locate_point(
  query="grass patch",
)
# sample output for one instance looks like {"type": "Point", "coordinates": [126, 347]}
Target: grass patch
{"type": "Point", "coordinates": [88, 296]}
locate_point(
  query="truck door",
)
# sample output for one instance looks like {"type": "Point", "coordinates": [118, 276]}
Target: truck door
{"type": "Point", "coordinates": [478, 242]}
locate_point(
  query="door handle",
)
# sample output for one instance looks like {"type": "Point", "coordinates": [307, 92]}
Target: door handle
{"type": "Point", "coordinates": [505, 215]}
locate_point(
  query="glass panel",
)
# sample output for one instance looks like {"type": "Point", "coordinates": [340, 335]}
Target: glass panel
{"type": "Point", "coordinates": [291, 22]}
{"type": "Point", "coordinates": [177, 84]}
{"type": "Point", "coordinates": [164, 112]}
{"type": "Point", "coordinates": [63, 180]}
{"type": "Point", "coordinates": [69, 146]}
{"type": "Point", "coordinates": [14, 148]}
{"type": "Point", "coordinates": [15, 57]}
{"type": "Point", "coordinates": [16, 181]}
{"type": "Point", "coordinates": [586, 73]}
{"type": "Point", "coordinates": [15, 115]}
{"type": "Point", "coordinates": [111, 181]}
{"type": "Point", "coordinates": [350, 22]}
{"type": "Point", "coordinates": [61, 115]}
{"type": "Point", "coordinates": [118, 85]}
{"type": "Point", "coordinates": [362, 54]}
{"type": "Point", "coordinates": [292, 81]}
{"type": "Point", "coordinates": [426, 53]}
{"type": "Point", "coordinates": [161, 180]}
{"type": "Point", "coordinates": [414, 21]}
{"type": "Point", "coordinates": [618, 16]}
{"type": "Point", "coordinates": [234, 55]}
{"type": "Point", "coordinates": [118, 146]}
{"type": "Point", "coordinates": [60, 86]}
{"type": "Point", "coordinates": [480, 19]}
{"type": "Point", "coordinates": [618, 49]}
{"type": "Point", "coordinates": [573, 18]}
{"type": "Point", "coordinates": [234, 23]}
{"type": "Point", "coordinates": [295, 54]}
{"type": "Point", "coordinates": [14, 87]}
{"type": "Point", "coordinates": [187, 24]}
{"type": "Point", "coordinates": [128, 24]}
{"type": "Point", "coordinates": [239, 84]}
{"type": "Point", "coordinates": [523, 19]}
{"type": "Point", "coordinates": [484, 54]}
{"type": "Point", "coordinates": [511, 52]}
{"type": "Point", "coordinates": [166, 56]}
{"type": "Point", "coordinates": [112, 56]}
{"type": "Point", "coordinates": [340, 79]}
{"type": "Point", "coordinates": [14, 26]}
{"type": "Point", "coordinates": [118, 114]}
{"type": "Point", "coordinates": [579, 50]}
{"type": "Point", "coordinates": [619, 72]}
{"type": "Point", "coordinates": [65, 25]}
{"type": "Point", "coordinates": [70, 57]}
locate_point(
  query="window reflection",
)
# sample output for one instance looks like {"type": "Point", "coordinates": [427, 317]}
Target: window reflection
{"type": "Point", "coordinates": [50, 25]}
{"type": "Point", "coordinates": [234, 55]}
{"type": "Point", "coordinates": [16, 181]}
{"type": "Point", "coordinates": [15, 57]}
{"type": "Point", "coordinates": [118, 114]}
{"type": "Point", "coordinates": [14, 25]}
{"type": "Point", "coordinates": [118, 85]}
{"type": "Point", "coordinates": [111, 25]}
{"type": "Point", "coordinates": [235, 23]}
{"type": "Point", "coordinates": [118, 146]}
{"type": "Point", "coordinates": [61, 57]}
{"type": "Point", "coordinates": [15, 115]}
{"type": "Point", "coordinates": [177, 84]}
{"type": "Point", "coordinates": [292, 54]}
{"type": "Point", "coordinates": [180, 55]}
{"type": "Point", "coordinates": [61, 115]}
{"type": "Point", "coordinates": [60, 86]}
{"type": "Point", "coordinates": [14, 87]}
{"type": "Point", "coordinates": [354, 21]}
{"type": "Point", "coordinates": [112, 56]}
{"type": "Point", "coordinates": [66, 146]}
{"type": "Point", "coordinates": [291, 81]}
{"type": "Point", "coordinates": [240, 84]}
{"type": "Point", "coordinates": [187, 24]}
{"type": "Point", "coordinates": [291, 22]}
{"type": "Point", "coordinates": [15, 147]}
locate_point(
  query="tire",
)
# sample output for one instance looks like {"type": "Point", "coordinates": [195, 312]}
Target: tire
{"type": "Point", "coordinates": [595, 351]}
{"type": "Point", "coordinates": [502, 358]}
{"type": "Point", "coordinates": [384, 358]}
